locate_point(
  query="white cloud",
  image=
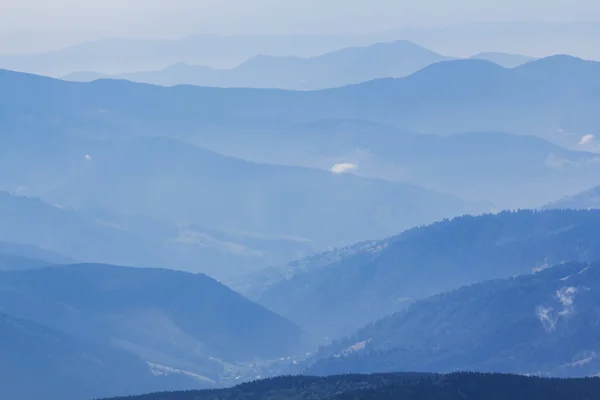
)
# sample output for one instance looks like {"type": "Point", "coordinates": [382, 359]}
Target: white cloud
{"type": "Point", "coordinates": [343, 168]}
{"type": "Point", "coordinates": [88, 157]}
{"type": "Point", "coordinates": [585, 139]}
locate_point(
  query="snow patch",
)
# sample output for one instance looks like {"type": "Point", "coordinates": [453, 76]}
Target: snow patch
{"type": "Point", "coordinates": [566, 299]}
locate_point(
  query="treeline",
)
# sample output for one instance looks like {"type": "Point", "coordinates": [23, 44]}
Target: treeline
{"type": "Point", "coordinates": [404, 386]}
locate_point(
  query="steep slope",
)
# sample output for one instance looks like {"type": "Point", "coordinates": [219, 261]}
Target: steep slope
{"type": "Point", "coordinates": [338, 68]}
{"type": "Point", "coordinates": [542, 324]}
{"type": "Point", "coordinates": [39, 362]}
{"type": "Point", "coordinates": [335, 293]}
{"type": "Point", "coordinates": [172, 319]}
{"type": "Point", "coordinates": [406, 386]}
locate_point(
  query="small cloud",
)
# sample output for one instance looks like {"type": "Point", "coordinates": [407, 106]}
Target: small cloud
{"type": "Point", "coordinates": [20, 189]}
{"type": "Point", "coordinates": [343, 168]}
{"type": "Point", "coordinates": [585, 139]}
{"type": "Point", "coordinates": [560, 130]}
{"type": "Point", "coordinates": [88, 157]}
{"type": "Point", "coordinates": [553, 161]}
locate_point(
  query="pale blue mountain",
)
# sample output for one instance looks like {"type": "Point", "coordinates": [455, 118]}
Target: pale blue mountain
{"type": "Point", "coordinates": [506, 60]}
{"type": "Point", "coordinates": [34, 253]}
{"type": "Point", "coordinates": [338, 68]}
{"type": "Point", "coordinates": [267, 214]}
{"type": "Point", "coordinates": [543, 98]}
{"type": "Point", "coordinates": [127, 54]}
{"type": "Point", "coordinates": [30, 224]}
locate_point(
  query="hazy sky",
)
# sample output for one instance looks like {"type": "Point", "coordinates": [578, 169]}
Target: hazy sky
{"type": "Point", "coordinates": [33, 24]}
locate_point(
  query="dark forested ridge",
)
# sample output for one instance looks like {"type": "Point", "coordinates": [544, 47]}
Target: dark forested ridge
{"type": "Point", "coordinates": [405, 386]}
{"type": "Point", "coordinates": [337, 292]}
{"type": "Point", "coordinates": [545, 323]}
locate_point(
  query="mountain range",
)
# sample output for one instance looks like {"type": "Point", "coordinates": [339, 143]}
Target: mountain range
{"type": "Point", "coordinates": [338, 68]}
{"type": "Point", "coordinates": [118, 55]}
{"type": "Point", "coordinates": [157, 238]}
{"type": "Point", "coordinates": [216, 214]}
{"type": "Point", "coordinates": [115, 55]}
{"type": "Point", "coordinates": [334, 293]}
{"type": "Point", "coordinates": [539, 324]}
{"type": "Point", "coordinates": [446, 98]}
{"type": "Point", "coordinates": [460, 164]}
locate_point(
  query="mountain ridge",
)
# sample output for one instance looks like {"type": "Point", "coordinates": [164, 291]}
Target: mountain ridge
{"type": "Point", "coordinates": [358, 284]}
{"type": "Point", "coordinates": [536, 324]}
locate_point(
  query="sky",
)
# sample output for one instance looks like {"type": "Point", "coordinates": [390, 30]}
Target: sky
{"type": "Point", "coordinates": [33, 25]}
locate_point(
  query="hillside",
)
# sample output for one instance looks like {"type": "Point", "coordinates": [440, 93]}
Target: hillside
{"type": "Point", "coordinates": [216, 214]}
{"type": "Point", "coordinates": [461, 386]}
{"type": "Point", "coordinates": [175, 320]}
{"type": "Point", "coordinates": [66, 368]}
{"type": "Point", "coordinates": [338, 68]}
{"type": "Point", "coordinates": [335, 293]}
{"type": "Point", "coordinates": [541, 324]}
{"type": "Point", "coordinates": [588, 199]}
{"type": "Point", "coordinates": [321, 206]}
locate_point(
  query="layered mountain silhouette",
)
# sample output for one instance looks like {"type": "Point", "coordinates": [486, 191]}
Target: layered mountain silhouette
{"type": "Point", "coordinates": [447, 97]}
{"type": "Point", "coordinates": [215, 214]}
{"type": "Point", "coordinates": [336, 292]}
{"type": "Point", "coordinates": [115, 55]}
{"type": "Point", "coordinates": [510, 171]}
{"type": "Point", "coordinates": [338, 68]}
{"type": "Point", "coordinates": [540, 324]}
